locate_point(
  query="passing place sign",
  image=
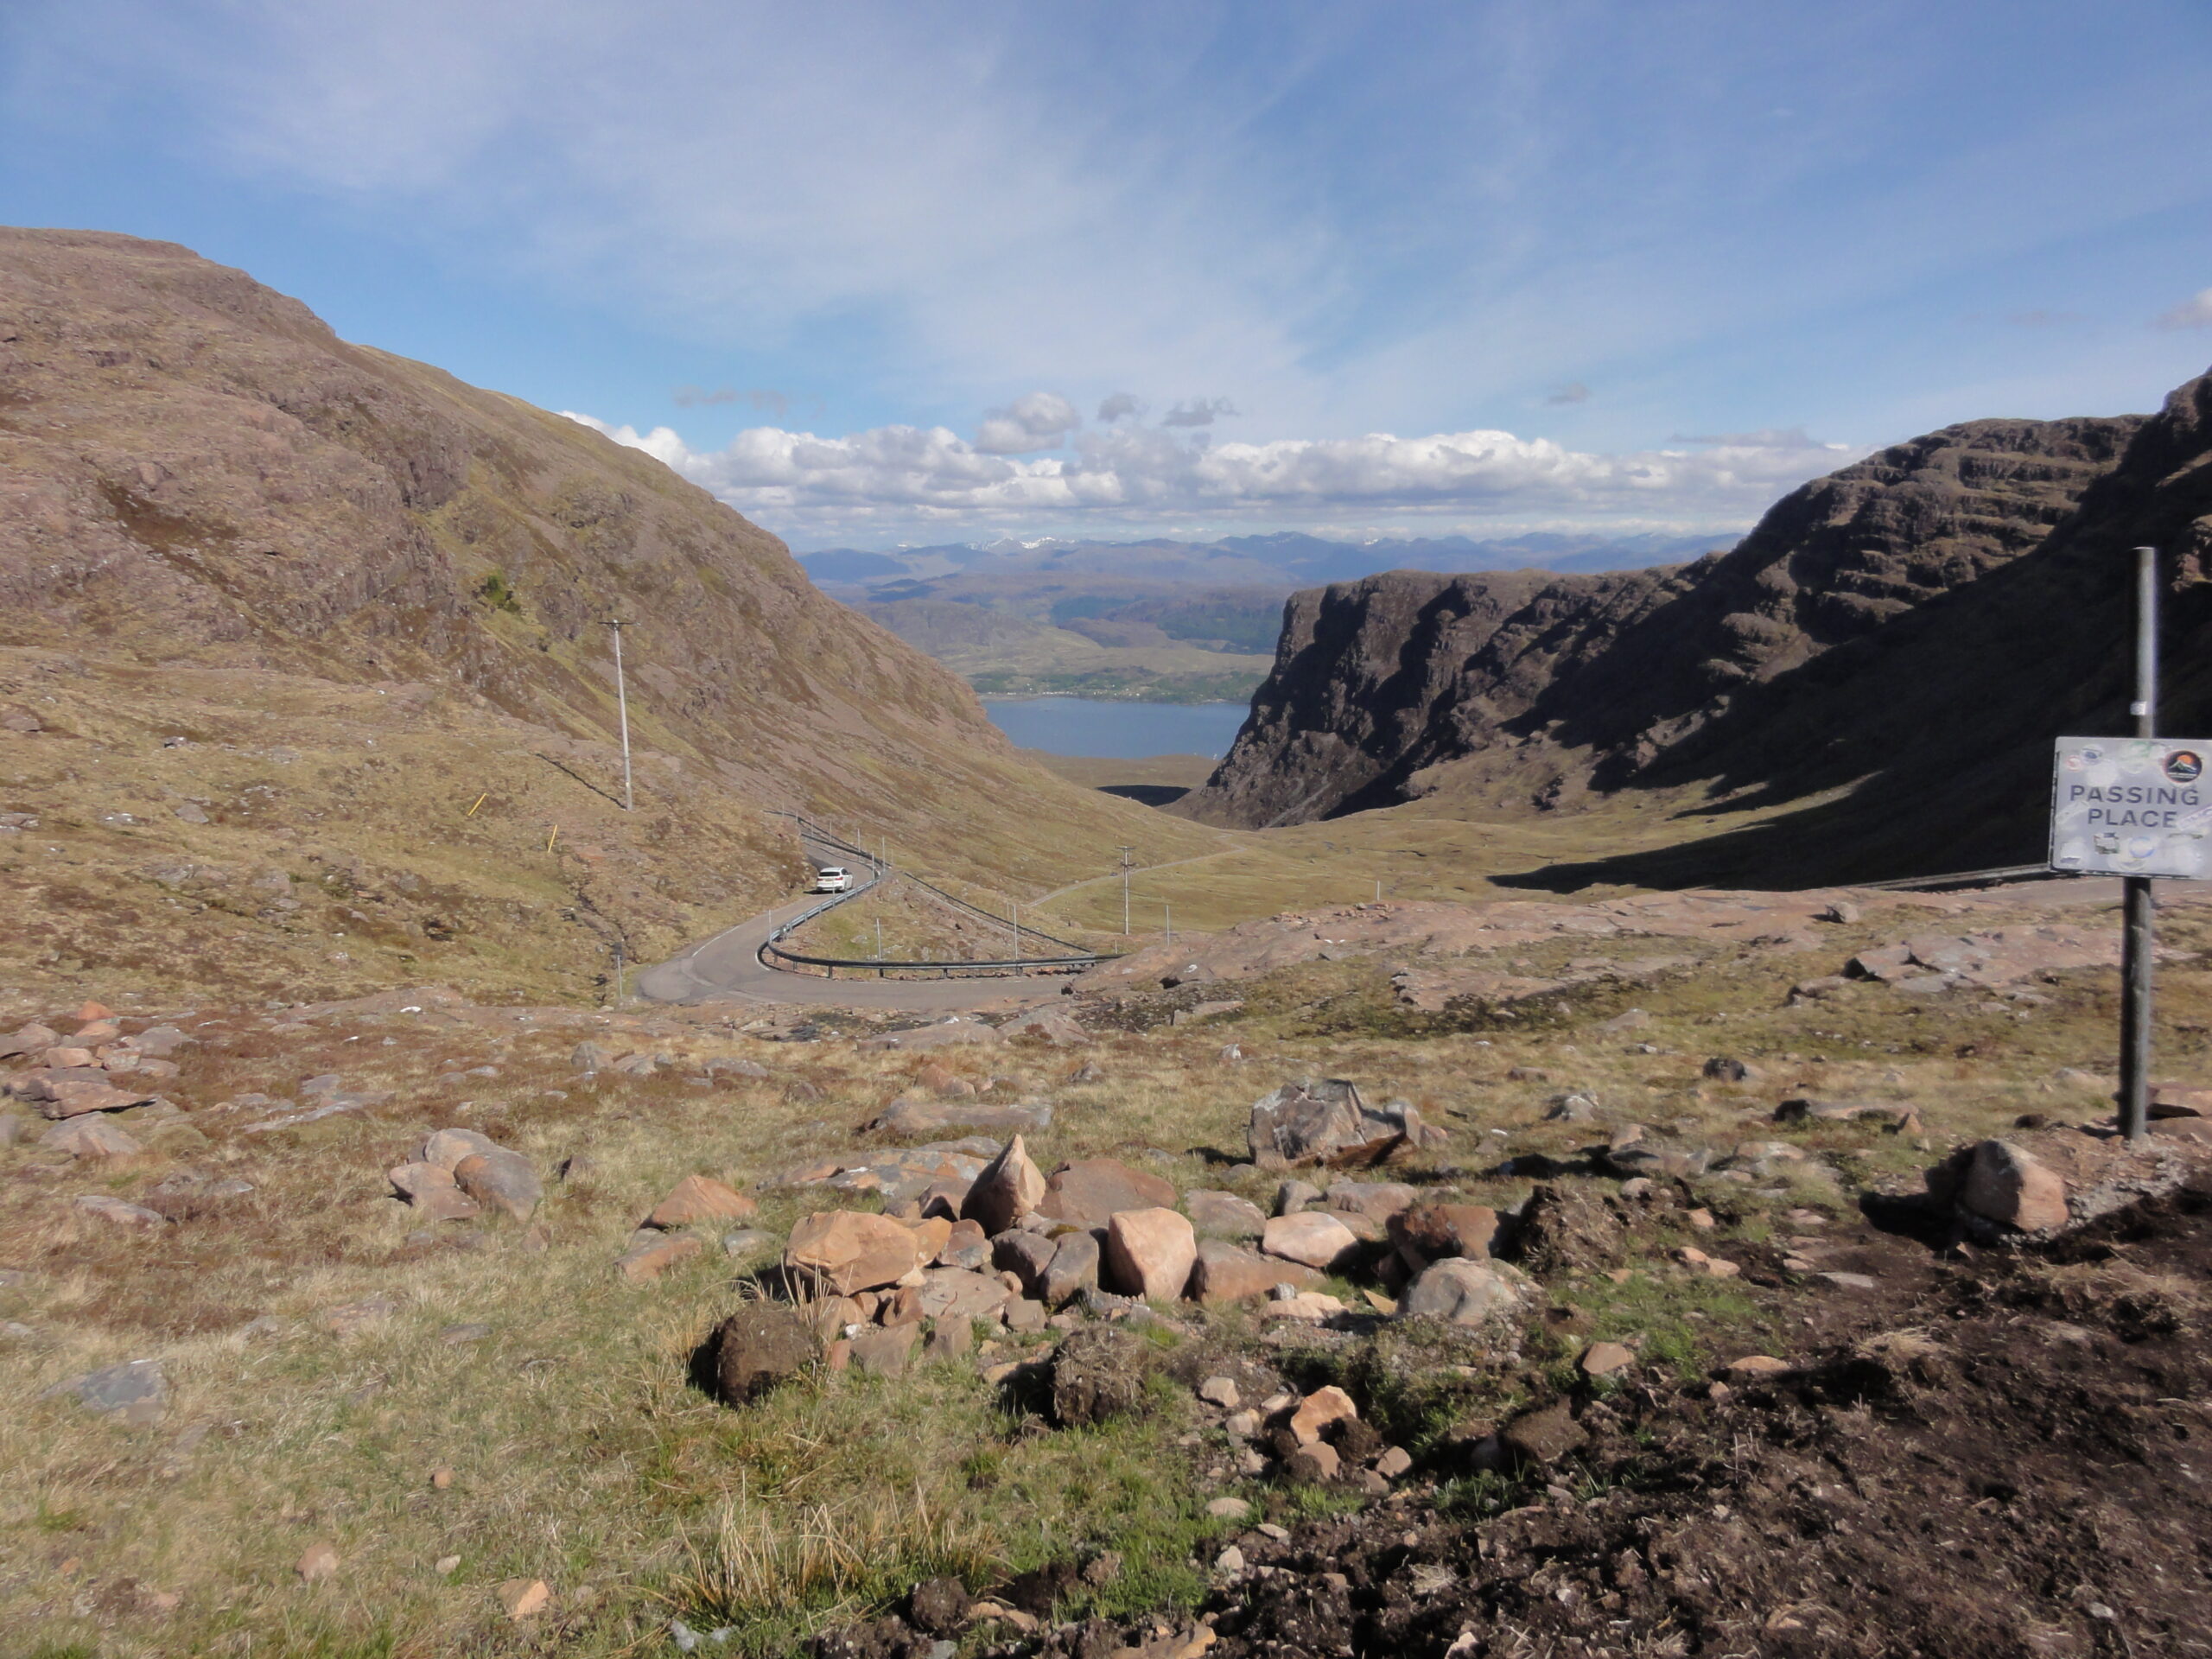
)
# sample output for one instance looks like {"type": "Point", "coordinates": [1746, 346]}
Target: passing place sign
{"type": "Point", "coordinates": [2132, 806]}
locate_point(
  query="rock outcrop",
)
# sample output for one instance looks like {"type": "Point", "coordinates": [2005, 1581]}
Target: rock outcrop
{"type": "Point", "coordinates": [1974, 573]}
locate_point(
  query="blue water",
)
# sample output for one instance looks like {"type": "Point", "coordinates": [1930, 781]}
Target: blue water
{"type": "Point", "coordinates": [1117, 731]}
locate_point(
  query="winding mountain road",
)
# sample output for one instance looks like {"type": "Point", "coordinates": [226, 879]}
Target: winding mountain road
{"type": "Point", "coordinates": [728, 968]}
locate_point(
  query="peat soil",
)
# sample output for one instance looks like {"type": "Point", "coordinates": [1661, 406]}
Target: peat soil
{"type": "Point", "coordinates": [1985, 1455]}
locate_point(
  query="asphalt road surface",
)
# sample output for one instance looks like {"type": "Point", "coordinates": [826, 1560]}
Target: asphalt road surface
{"type": "Point", "coordinates": [728, 968]}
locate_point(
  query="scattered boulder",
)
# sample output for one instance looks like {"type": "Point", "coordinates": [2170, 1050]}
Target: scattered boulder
{"type": "Point", "coordinates": [63, 1097]}
{"type": "Point", "coordinates": [1097, 1374]}
{"type": "Point", "coordinates": [1377, 1201]}
{"type": "Point", "coordinates": [1431, 1232]}
{"type": "Point", "coordinates": [1223, 1272]}
{"type": "Point", "coordinates": [648, 1258]}
{"type": "Point", "coordinates": [957, 1294]}
{"type": "Point", "coordinates": [2006, 1183]}
{"type": "Point", "coordinates": [758, 1347]}
{"type": "Point", "coordinates": [1312, 1238]}
{"type": "Point", "coordinates": [1025, 1255]}
{"type": "Point", "coordinates": [31, 1040]}
{"type": "Point", "coordinates": [1606, 1359]}
{"type": "Point", "coordinates": [1319, 1411]}
{"type": "Point", "coordinates": [1312, 1464]}
{"type": "Point", "coordinates": [121, 1213]}
{"type": "Point", "coordinates": [697, 1197]}
{"type": "Point", "coordinates": [1009, 1188]}
{"type": "Point", "coordinates": [904, 1116]}
{"type": "Point", "coordinates": [1319, 1121]}
{"type": "Point", "coordinates": [1053, 1025]}
{"type": "Point", "coordinates": [1072, 1270]}
{"type": "Point", "coordinates": [884, 1350]}
{"type": "Point", "coordinates": [525, 1598]}
{"type": "Point", "coordinates": [90, 1137]}
{"type": "Point", "coordinates": [966, 1246]}
{"type": "Point", "coordinates": [1149, 1253]}
{"type": "Point", "coordinates": [1090, 1191]}
{"type": "Point", "coordinates": [1293, 1196]}
{"type": "Point", "coordinates": [1722, 1068]}
{"type": "Point", "coordinates": [1544, 1435]}
{"type": "Point", "coordinates": [446, 1148]}
{"type": "Point", "coordinates": [430, 1191]}
{"type": "Point", "coordinates": [838, 1252]}
{"type": "Point", "coordinates": [1461, 1292]}
{"type": "Point", "coordinates": [1224, 1215]}
{"type": "Point", "coordinates": [135, 1392]}
{"type": "Point", "coordinates": [500, 1180]}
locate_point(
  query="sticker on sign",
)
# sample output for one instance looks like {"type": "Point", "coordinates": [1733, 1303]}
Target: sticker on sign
{"type": "Point", "coordinates": [2132, 806]}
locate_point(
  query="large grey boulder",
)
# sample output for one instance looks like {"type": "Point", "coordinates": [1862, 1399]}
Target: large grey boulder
{"type": "Point", "coordinates": [1462, 1291]}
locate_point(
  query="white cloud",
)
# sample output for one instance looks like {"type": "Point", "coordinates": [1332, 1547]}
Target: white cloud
{"type": "Point", "coordinates": [2195, 312]}
{"type": "Point", "coordinates": [1198, 411]}
{"type": "Point", "coordinates": [1114, 405]}
{"type": "Point", "coordinates": [894, 477]}
{"type": "Point", "coordinates": [1040, 421]}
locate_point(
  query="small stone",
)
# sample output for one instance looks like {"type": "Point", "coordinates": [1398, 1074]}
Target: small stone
{"type": "Point", "coordinates": [1231, 1559]}
{"type": "Point", "coordinates": [1606, 1359]}
{"type": "Point", "coordinates": [1293, 1196]}
{"type": "Point", "coordinates": [456, 1335]}
{"type": "Point", "coordinates": [320, 1562]}
{"type": "Point", "coordinates": [1751, 1367]}
{"type": "Point", "coordinates": [1220, 1391]}
{"type": "Point", "coordinates": [525, 1597]}
{"type": "Point", "coordinates": [1430, 1232]}
{"type": "Point", "coordinates": [939, 1607]}
{"type": "Point", "coordinates": [1072, 1269]}
{"type": "Point", "coordinates": [1722, 1068]}
{"type": "Point", "coordinates": [1395, 1461]}
{"type": "Point", "coordinates": [1312, 1463]}
{"type": "Point", "coordinates": [1849, 1281]}
{"type": "Point", "coordinates": [442, 1480]}
{"type": "Point", "coordinates": [1241, 1424]}
{"type": "Point", "coordinates": [1702, 1220]}
{"type": "Point", "coordinates": [1229, 1508]}
{"type": "Point", "coordinates": [742, 1242]}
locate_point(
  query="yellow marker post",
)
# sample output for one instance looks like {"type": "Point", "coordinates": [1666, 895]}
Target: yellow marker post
{"type": "Point", "coordinates": [481, 799]}
{"type": "Point", "coordinates": [550, 839]}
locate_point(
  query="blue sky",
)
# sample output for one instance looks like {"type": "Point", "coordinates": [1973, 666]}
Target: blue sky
{"type": "Point", "coordinates": [879, 273]}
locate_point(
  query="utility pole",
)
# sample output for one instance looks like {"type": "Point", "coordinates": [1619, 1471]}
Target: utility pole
{"type": "Point", "coordinates": [1167, 911]}
{"type": "Point", "coordinates": [1126, 851]}
{"type": "Point", "coordinates": [2137, 946]}
{"type": "Point", "coordinates": [622, 699]}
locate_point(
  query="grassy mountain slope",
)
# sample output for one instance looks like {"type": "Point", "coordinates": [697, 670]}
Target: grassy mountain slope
{"type": "Point", "coordinates": [227, 525]}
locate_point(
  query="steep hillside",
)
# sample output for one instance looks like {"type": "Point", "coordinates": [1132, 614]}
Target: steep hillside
{"type": "Point", "coordinates": [1929, 606]}
{"type": "Point", "coordinates": [227, 527]}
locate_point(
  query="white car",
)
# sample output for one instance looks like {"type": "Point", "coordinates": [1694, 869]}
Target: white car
{"type": "Point", "coordinates": [834, 879]}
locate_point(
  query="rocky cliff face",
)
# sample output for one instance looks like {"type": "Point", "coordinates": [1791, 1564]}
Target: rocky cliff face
{"type": "Point", "coordinates": [219, 519]}
{"type": "Point", "coordinates": [1938, 604]}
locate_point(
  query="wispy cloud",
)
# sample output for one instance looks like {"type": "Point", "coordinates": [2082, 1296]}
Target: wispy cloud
{"type": "Point", "coordinates": [1119, 405]}
{"type": "Point", "coordinates": [1781, 440]}
{"type": "Point", "coordinates": [2195, 311]}
{"type": "Point", "coordinates": [1198, 411]}
{"type": "Point", "coordinates": [766, 399]}
{"type": "Point", "coordinates": [1572, 392]}
{"type": "Point", "coordinates": [893, 477]}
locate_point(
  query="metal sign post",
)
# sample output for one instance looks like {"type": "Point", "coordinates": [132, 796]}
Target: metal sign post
{"type": "Point", "coordinates": [2136, 809]}
{"type": "Point", "coordinates": [2137, 946]}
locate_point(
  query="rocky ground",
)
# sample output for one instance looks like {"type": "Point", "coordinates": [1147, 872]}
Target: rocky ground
{"type": "Point", "coordinates": [1733, 1274]}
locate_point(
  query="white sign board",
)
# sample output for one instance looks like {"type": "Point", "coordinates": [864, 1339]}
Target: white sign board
{"type": "Point", "coordinates": [2132, 806]}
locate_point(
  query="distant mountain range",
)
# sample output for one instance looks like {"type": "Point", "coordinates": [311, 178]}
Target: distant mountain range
{"type": "Point", "coordinates": [1158, 620]}
{"type": "Point", "coordinates": [1286, 557]}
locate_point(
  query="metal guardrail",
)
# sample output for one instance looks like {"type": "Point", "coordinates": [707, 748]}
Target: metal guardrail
{"type": "Point", "coordinates": [879, 871]}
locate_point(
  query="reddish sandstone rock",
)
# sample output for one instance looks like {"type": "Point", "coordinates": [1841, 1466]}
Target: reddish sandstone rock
{"type": "Point", "coordinates": [842, 1251]}
{"type": "Point", "coordinates": [1093, 1190]}
{"type": "Point", "coordinates": [1149, 1253]}
{"type": "Point", "coordinates": [696, 1198]}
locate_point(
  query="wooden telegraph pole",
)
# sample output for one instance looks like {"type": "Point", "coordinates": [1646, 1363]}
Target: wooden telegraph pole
{"type": "Point", "coordinates": [622, 699]}
{"type": "Point", "coordinates": [2137, 943]}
